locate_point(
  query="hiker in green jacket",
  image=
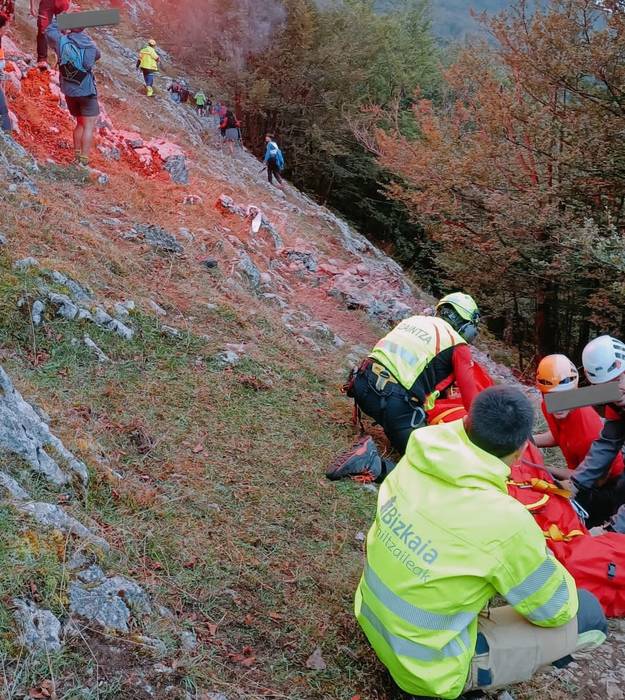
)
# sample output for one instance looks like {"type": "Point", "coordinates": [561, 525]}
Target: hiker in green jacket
{"type": "Point", "coordinates": [200, 102]}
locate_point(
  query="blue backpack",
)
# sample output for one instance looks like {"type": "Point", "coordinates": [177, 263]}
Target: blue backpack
{"type": "Point", "coordinates": [71, 64]}
{"type": "Point", "coordinates": [276, 153]}
{"type": "Point", "coordinates": [280, 160]}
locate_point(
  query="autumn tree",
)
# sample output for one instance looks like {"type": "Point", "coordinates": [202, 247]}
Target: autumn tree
{"type": "Point", "coordinates": [309, 86]}
{"type": "Point", "coordinates": [518, 172]}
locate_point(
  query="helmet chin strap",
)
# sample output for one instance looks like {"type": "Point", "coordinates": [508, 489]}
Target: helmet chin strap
{"type": "Point", "coordinates": [468, 331]}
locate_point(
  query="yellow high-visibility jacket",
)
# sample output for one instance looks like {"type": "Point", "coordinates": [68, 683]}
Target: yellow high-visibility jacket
{"type": "Point", "coordinates": [411, 346]}
{"type": "Point", "coordinates": [447, 537]}
{"type": "Point", "coordinates": [148, 58]}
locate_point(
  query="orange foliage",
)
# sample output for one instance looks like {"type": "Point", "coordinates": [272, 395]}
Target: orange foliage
{"type": "Point", "coordinates": [525, 147]}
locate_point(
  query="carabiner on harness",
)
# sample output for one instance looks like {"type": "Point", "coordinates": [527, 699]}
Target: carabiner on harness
{"type": "Point", "coordinates": [418, 418]}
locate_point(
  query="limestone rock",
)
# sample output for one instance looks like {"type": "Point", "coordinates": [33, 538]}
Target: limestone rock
{"type": "Point", "coordinates": [106, 321]}
{"type": "Point", "coordinates": [65, 306]}
{"type": "Point", "coordinates": [176, 166]}
{"type": "Point", "coordinates": [158, 238]}
{"type": "Point", "coordinates": [247, 267]}
{"type": "Point", "coordinates": [157, 308]}
{"type": "Point", "coordinates": [78, 291]}
{"type": "Point", "coordinates": [37, 311]}
{"type": "Point", "coordinates": [25, 434]}
{"type": "Point", "coordinates": [102, 357]}
{"type": "Point", "coordinates": [25, 264]}
{"type": "Point", "coordinates": [109, 604]}
{"type": "Point", "coordinates": [38, 629]}
{"type": "Point", "coordinates": [227, 358]}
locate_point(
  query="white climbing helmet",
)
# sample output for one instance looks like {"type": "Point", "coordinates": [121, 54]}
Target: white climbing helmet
{"type": "Point", "coordinates": [603, 359]}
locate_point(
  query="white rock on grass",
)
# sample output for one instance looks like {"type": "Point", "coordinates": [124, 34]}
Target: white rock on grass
{"type": "Point", "coordinates": [171, 331]}
{"type": "Point", "coordinates": [227, 358]}
{"type": "Point", "coordinates": [24, 433]}
{"type": "Point", "coordinates": [157, 308]}
{"type": "Point", "coordinates": [38, 629]}
{"type": "Point", "coordinates": [109, 323]}
{"type": "Point", "coordinates": [100, 354]}
{"type": "Point", "coordinates": [65, 306]}
{"type": "Point", "coordinates": [109, 604]}
{"type": "Point", "coordinates": [36, 313]}
{"type": "Point", "coordinates": [25, 264]}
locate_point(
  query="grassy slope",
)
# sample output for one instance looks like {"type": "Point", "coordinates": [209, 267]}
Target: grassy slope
{"type": "Point", "coordinates": [243, 539]}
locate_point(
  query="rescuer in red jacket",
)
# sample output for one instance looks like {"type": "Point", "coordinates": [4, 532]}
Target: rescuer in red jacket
{"type": "Point", "coordinates": [572, 431]}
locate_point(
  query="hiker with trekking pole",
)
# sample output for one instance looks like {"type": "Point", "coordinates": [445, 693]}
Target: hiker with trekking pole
{"type": "Point", "coordinates": [404, 375]}
{"type": "Point", "coordinates": [274, 161]}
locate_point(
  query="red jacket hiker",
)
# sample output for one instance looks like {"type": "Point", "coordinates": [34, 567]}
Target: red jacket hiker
{"type": "Point", "coordinates": [575, 433]}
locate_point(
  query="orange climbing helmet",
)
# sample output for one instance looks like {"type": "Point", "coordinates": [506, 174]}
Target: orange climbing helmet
{"type": "Point", "coordinates": [556, 373]}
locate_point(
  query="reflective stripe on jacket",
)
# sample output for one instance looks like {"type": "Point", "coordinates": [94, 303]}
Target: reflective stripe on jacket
{"type": "Point", "coordinates": [447, 537]}
{"type": "Point", "coordinates": [148, 58]}
{"type": "Point", "coordinates": [412, 345]}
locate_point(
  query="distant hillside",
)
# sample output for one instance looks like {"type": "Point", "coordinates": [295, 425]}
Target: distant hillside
{"type": "Point", "coordinates": [452, 18]}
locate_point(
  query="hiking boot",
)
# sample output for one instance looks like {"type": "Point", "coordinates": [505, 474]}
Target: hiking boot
{"type": "Point", "coordinates": [361, 461]}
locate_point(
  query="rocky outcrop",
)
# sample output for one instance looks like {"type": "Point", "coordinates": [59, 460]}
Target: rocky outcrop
{"type": "Point", "coordinates": [109, 602]}
{"type": "Point", "coordinates": [24, 433]}
{"type": "Point", "coordinates": [38, 630]}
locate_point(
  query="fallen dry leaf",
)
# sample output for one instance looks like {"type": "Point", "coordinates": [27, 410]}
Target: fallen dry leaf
{"type": "Point", "coordinates": [246, 659]}
{"type": "Point", "coordinates": [315, 661]}
{"type": "Point", "coordinates": [198, 448]}
{"type": "Point", "coordinates": [43, 690]}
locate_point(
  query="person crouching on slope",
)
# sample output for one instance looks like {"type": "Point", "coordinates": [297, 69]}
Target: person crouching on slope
{"type": "Point", "coordinates": [404, 375]}
{"type": "Point", "coordinates": [574, 432]}
{"type": "Point", "coordinates": [77, 57]}
{"type": "Point", "coordinates": [148, 64]}
{"type": "Point", "coordinates": [5, 119]}
{"type": "Point", "coordinates": [604, 361]}
{"type": "Point", "coordinates": [446, 539]}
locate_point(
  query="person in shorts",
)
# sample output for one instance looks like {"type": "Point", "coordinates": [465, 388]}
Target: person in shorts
{"type": "Point", "coordinates": [5, 119]}
{"type": "Point", "coordinates": [78, 85]}
{"type": "Point", "coordinates": [230, 130]}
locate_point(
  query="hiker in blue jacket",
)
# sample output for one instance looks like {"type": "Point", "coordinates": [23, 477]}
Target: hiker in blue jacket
{"type": "Point", "coordinates": [274, 161]}
{"type": "Point", "coordinates": [77, 56]}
